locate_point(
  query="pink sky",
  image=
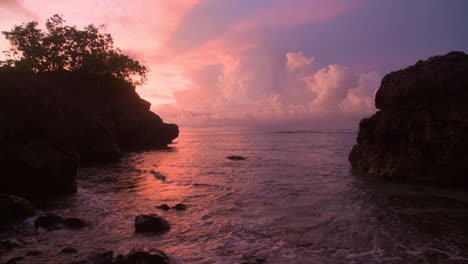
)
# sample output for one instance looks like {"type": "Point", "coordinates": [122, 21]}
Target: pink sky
{"type": "Point", "coordinates": [278, 64]}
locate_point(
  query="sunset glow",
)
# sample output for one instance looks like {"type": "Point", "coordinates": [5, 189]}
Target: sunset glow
{"type": "Point", "coordinates": [312, 64]}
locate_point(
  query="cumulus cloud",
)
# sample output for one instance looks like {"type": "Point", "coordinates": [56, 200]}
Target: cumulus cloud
{"type": "Point", "coordinates": [339, 90]}
{"type": "Point", "coordinates": [297, 60]}
{"type": "Point", "coordinates": [257, 90]}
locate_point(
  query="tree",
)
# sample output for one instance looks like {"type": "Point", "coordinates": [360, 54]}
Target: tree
{"type": "Point", "coordinates": [66, 48]}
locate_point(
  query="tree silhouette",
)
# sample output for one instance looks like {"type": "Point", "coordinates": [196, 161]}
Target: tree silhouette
{"type": "Point", "coordinates": [66, 48]}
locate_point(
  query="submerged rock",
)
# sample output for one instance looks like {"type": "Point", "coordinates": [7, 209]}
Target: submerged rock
{"type": "Point", "coordinates": [151, 223]}
{"type": "Point", "coordinates": [158, 175]}
{"type": "Point", "coordinates": [69, 250]}
{"type": "Point", "coordinates": [179, 207]}
{"type": "Point", "coordinates": [51, 222]}
{"type": "Point", "coordinates": [34, 253]}
{"type": "Point", "coordinates": [420, 133]}
{"type": "Point", "coordinates": [102, 258]}
{"type": "Point", "coordinates": [164, 207]}
{"type": "Point", "coordinates": [14, 209]}
{"type": "Point", "coordinates": [234, 157]}
{"type": "Point", "coordinates": [148, 256]}
{"type": "Point", "coordinates": [75, 223]}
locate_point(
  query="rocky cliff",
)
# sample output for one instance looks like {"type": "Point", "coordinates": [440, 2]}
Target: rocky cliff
{"type": "Point", "coordinates": [50, 123]}
{"type": "Point", "coordinates": [420, 133]}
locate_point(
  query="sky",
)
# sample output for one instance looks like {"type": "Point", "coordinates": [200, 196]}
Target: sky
{"type": "Point", "coordinates": [270, 64]}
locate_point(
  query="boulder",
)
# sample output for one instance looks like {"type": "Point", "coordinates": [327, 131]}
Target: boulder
{"type": "Point", "coordinates": [148, 256]}
{"type": "Point", "coordinates": [151, 223]}
{"type": "Point", "coordinates": [14, 209]}
{"type": "Point", "coordinates": [420, 133]}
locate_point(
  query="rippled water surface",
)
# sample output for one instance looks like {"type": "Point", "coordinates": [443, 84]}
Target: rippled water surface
{"type": "Point", "coordinates": [293, 200]}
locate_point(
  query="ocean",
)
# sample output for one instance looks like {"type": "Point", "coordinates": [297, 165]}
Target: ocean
{"type": "Point", "coordinates": [293, 199]}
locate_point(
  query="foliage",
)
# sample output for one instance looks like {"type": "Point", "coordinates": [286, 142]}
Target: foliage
{"type": "Point", "coordinates": [66, 48]}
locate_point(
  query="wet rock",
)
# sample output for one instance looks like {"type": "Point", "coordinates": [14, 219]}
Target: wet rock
{"type": "Point", "coordinates": [151, 223]}
{"type": "Point", "coordinates": [14, 209]}
{"type": "Point", "coordinates": [69, 250]}
{"type": "Point", "coordinates": [164, 207]}
{"type": "Point", "coordinates": [158, 175]}
{"type": "Point", "coordinates": [34, 253]}
{"type": "Point", "coordinates": [234, 157]}
{"type": "Point", "coordinates": [179, 207]}
{"type": "Point", "coordinates": [75, 223]}
{"type": "Point", "coordinates": [49, 222]}
{"type": "Point", "coordinates": [148, 256]}
{"type": "Point", "coordinates": [420, 133]}
{"type": "Point", "coordinates": [14, 260]}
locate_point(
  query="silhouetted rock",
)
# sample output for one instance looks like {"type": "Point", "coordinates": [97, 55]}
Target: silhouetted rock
{"type": "Point", "coordinates": [151, 223]}
{"type": "Point", "coordinates": [14, 209]}
{"type": "Point", "coordinates": [52, 122]}
{"type": "Point", "coordinates": [51, 222]}
{"type": "Point", "coordinates": [420, 133]}
{"type": "Point", "coordinates": [179, 207]}
{"type": "Point", "coordinates": [148, 256]}
{"type": "Point", "coordinates": [235, 157]}
{"type": "Point", "coordinates": [164, 207]}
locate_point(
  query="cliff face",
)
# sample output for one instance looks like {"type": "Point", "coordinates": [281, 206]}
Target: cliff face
{"type": "Point", "coordinates": [52, 122]}
{"type": "Point", "coordinates": [420, 133]}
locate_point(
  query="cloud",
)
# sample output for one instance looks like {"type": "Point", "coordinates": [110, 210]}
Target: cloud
{"type": "Point", "coordinates": [297, 60]}
{"type": "Point", "coordinates": [256, 89]}
{"type": "Point", "coordinates": [12, 8]}
{"type": "Point", "coordinates": [339, 90]}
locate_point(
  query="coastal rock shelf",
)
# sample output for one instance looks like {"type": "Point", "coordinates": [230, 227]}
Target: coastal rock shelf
{"type": "Point", "coordinates": [52, 122]}
{"type": "Point", "coordinates": [420, 133]}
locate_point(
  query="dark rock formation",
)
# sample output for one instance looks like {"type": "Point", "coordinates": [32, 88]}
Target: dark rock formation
{"type": "Point", "coordinates": [151, 223]}
{"type": "Point", "coordinates": [179, 207]}
{"type": "Point", "coordinates": [420, 133]}
{"type": "Point", "coordinates": [14, 209]}
{"type": "Point", "coordinates": [164, 207]}
{"type": "Point", "coordinates": [150, 256]}
{"type": "Point", "coordinates": [53, 121]}
{"type": "Point", "coordinates": [51, 222]}
{"type": "Point", "coordinates": [234, 157]}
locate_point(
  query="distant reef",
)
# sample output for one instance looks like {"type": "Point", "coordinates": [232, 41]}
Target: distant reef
{"type": "Point", "coordinates": [420, 133]}
{"type": "Point", "coordinates": [50, 123]}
